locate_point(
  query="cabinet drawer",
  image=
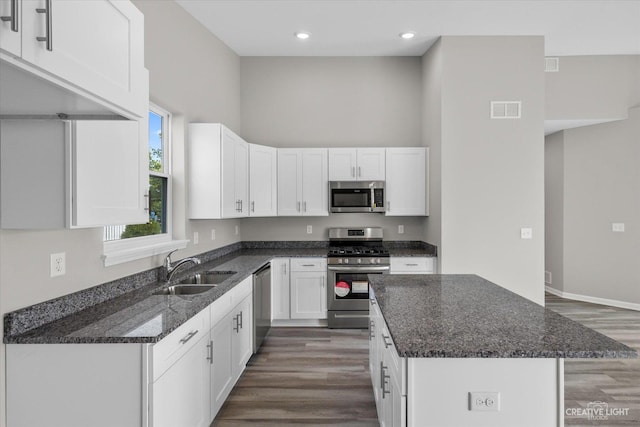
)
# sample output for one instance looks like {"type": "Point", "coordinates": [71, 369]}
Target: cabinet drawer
{"type": "Point", "coordinates": [308, 264]}
{"type": "Point", "coordinates": [173, 346]}
{"type": "Point", "coordinates": [416, 265]}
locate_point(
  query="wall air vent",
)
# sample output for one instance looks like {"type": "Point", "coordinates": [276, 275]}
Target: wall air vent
{"type": "Point", "coordinates": [506, 109]}
{"type": "Point", "coordinates": [551, 64]}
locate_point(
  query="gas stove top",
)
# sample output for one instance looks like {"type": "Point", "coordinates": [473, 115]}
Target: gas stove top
{"type": "Point", "coordinates": [361, 251]}
{"type": "Point", "coordinates": [353, 246]}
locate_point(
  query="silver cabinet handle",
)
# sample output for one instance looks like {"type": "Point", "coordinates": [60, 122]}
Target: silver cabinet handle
{"type": "Point", "coordinates": [147, 202]}
{"type": "Point", "coordinates": [384, 339]}
{"type": "Point", "coordinates": [237, 327]}
{"type": "Point", "coordinates": [359, 171]}
{"type": "Point", "coordinates": [388, 206]}
{"type": "Point", "coordinates": [308, 265]}
{"type": "Point", "coordinates": [188, 337]}
{"type": "Point", "coordinates": [240, 321]}
{"type": "Point", "coordinates": [210, 352]}
{"type": "Point", "coordinates": [48, 25]}
{"type": "Point", "coordinates": [14, 16]}
{"type": "Point", "coordinates": [304, 204]}
{"type": "Point", "coordinates": [298, 208]}
{"type": "Point", "coordinates": [284, 268]}
{"type": "Point", "coordinates": [353, 171]}
{"type": "Point", "coordinates": [241, 205]}
{"type": "Point", "coordinates": [373, 301]}
{"type": "Point", "coordinates": [253, 206]}
{"type": "Point", "coordinates": [383, 380]}
{"type": "Point", "coordinates": [411, 265]}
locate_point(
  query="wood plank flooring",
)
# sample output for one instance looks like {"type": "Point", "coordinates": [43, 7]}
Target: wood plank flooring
{"type": "Point", "coordinates": [320, 377]}
{"type": "Point", "coordinates": [305, 376]}
{"type": "Point", "coordinates": [615, 381]}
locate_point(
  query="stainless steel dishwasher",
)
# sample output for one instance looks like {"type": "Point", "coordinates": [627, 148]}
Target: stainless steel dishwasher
{"type": "Point", "coordinates": [261, 305]}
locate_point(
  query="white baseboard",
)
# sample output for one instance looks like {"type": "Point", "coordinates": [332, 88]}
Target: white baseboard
{"type": "Point", "coordinates": [593, 300]}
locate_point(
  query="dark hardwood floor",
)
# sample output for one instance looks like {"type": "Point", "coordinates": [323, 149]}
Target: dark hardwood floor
{"type": "Point", "coordinates": [305, 376]}
{"type": "Point", "coordinates": [616, 382]}
{"type": "Point", "coordinates": [320, 377]}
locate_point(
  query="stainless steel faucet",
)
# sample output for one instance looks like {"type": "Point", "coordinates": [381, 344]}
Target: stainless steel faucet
{"type": "Point", "coordinates": [169, 270]}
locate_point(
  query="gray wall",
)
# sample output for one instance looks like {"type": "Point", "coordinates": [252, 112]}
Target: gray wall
{"type": "Point", "coordinates": [329, 102]}
{"type": "Point", "coordinates": [601, 186]}
{"type": "Point", "coordinates": [191, 73]}
{"type": "Point", "coordinates": [593, 87]}
{"type": "Point", "coordinates": [491, 174]}
{"type": "Point", "coordinates": [554, 208]}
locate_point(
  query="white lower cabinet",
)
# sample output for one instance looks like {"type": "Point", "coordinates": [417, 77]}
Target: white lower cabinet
{"type": "Point", "coordinates": [181, 396]}
{"type": "Point", "coordinates": [412, 265]}
{"type": "Point", "coordinates": [181, 381]}
{"type": "Point", "coordinates": [280, 291]}
{"type": "Point", "coordinates": [308, 288]}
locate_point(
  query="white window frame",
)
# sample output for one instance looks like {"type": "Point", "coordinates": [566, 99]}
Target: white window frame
{"type": "Point", "coordinates": [125, 250]}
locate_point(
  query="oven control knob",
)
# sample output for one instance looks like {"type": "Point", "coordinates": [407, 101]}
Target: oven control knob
{"type": "Point", "coordinates": [339, 260]}
{"type": "Point", "coordinates": [359, 260]}
{"type": "Point", "coordinates": [346, 261]}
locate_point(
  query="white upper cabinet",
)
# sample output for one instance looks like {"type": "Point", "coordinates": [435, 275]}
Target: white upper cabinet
{"type": "Point", "coordinates": [89, 52]}
{"type": "Point", "coordinates": [356, 164]}
{"type": "Point", "coordinates": [302, 182]}
{"type": "Point", "coordinates": [10, 27]}
{"type": "Point", "coordinates": [109, 180]}
{"type": "Point", "coordinates": [406, 184]}
{"type": "Point", "coordinates": [218, 172]}
{"type": "Point", "coordinates": [263, 180]}
{"type": "Point", "coordinates": [89, 173]}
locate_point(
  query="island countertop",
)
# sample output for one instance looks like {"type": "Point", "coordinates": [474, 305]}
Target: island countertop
{"type": "Point", "coordinates": [466, 316]}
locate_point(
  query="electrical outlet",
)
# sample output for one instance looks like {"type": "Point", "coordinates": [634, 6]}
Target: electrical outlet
{"type": "Point", "coordinates": [195, 238]}
{"type": "Point", "coordinates": [309, 229]}
{"type": "Point", "coordinates": [237, 230]}
{"type": "Point", "coordinates": [484, 401]}
{"type": "Point", "coordinates": [400, 229]}
{"type": "Point", "coordinates": [548, 278]}
{"type": "Point", "coordinates": [526, 233]}
{"type": "Point", "coordinates": [213, 234]}
{"type": "Point", "coordinates": [617, 227]}
{"type": "Point", "coordinates": [58, 265]}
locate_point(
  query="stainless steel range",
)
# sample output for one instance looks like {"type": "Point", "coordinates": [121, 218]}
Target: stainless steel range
{"type": "Point", "coordinates": [353, 254]}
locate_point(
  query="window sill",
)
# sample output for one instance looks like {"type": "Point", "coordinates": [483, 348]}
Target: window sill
{"type": "Point", "coordinates": [116, 254]}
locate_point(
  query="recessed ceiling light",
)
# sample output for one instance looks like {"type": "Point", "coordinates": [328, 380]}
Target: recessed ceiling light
{"type": "Point", "coordinates": [302, 35]}
{"type": "Point", "coordinates": [407, 35]}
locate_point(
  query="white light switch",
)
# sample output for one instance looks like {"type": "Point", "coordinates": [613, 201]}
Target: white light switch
{"type": "Point", "coordinates": [237, 230]}
{"type": "Point", "coordinates": [617, 227]}
{"type": "Point", "coordinates": [526, 233]}
{"type": "Point", "coordinates": [213, 234]}
{"type": "Point", "coordinates": [195, 238]}
{"type": "Point", "coordinates": [309, 229]}
{"type": "Point", "coordinates": [400, 229]}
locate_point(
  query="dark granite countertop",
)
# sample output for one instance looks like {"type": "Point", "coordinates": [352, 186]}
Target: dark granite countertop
{"type": "Point", "coordinates": [411, 248]}
{"type": "Point", "coordinates": [467, 316]}
{"type": "Point", "coordinates": [138, 316]}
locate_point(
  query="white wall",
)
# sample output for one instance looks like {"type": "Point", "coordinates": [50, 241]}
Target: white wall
{"type": "Point", "coordinates": [329, 102]}
{"type": "Point", "coordinates": [491, 177]}
{"type": "Point", "coordinates": [192, 74]}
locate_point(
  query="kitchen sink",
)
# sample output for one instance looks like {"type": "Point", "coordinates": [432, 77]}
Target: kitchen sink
{"type": "Point", "coordinates": [208, 278]}
{"type": "Point", "coordinates": [184, 290]}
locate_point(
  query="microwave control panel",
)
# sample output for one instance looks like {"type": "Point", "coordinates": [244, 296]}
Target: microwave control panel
{"type": "Point", "coordinates": [378, 197]}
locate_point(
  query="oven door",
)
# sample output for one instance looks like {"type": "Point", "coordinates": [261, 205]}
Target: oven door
{"type": "Point", "coordinates": [348, 287]}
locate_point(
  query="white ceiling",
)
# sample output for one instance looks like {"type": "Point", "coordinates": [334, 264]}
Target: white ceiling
{"type": "Point", "coordinates": [371, 27]}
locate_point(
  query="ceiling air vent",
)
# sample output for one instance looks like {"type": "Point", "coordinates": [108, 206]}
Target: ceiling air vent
{"type": "Point", "coordinates": [506, 109]}
{"type": "Point", "coordinates": [551, 65]}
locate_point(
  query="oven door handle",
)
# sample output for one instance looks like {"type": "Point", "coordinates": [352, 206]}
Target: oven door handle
{"type": "Point", "coordinates": [347, 269]}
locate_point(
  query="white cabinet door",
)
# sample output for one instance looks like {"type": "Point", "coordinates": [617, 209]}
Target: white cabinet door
{"type": "Point", "coordinates": [181, 395]}
{"type": "Point", "coordinates": [315, 182]}
{"type": "Point", "coordinates": [371, 164]}
{"type": "Point", "coordinates": [95, 45]}
{"type": "Point", "coordinates": [222, 364]}
{"type": "Point", "coordinates": [289, 182]}
{"type": "Point", "coordinates": [235, 159]}
{"type": "Point", "coordinates": [342, 164]}
{"type": "Point", "coordinates": [308, 295]}
{"type": "Point", "coordinates": [406, 184]}
{"type": "Point", "coordinates": [109, 173]}
{"type": "Point", "coordinates": [10, 30]}
{"type": "Point", "coordinates": [263, 180]}
{"type": "Point", "coordinates": [242, 344]}
{"type": "Point", "coordinates": [280, 288]}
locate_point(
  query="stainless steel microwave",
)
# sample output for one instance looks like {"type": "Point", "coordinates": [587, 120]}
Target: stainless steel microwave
{"type": "Point", "coordinates": [356, 196]}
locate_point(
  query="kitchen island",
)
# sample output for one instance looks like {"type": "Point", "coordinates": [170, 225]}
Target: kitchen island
{"type": "Point", "coordinates": [458, 350]}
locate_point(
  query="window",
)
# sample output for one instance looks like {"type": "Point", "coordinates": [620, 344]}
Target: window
{"type": "Point", "coordinates": [141, 240]}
